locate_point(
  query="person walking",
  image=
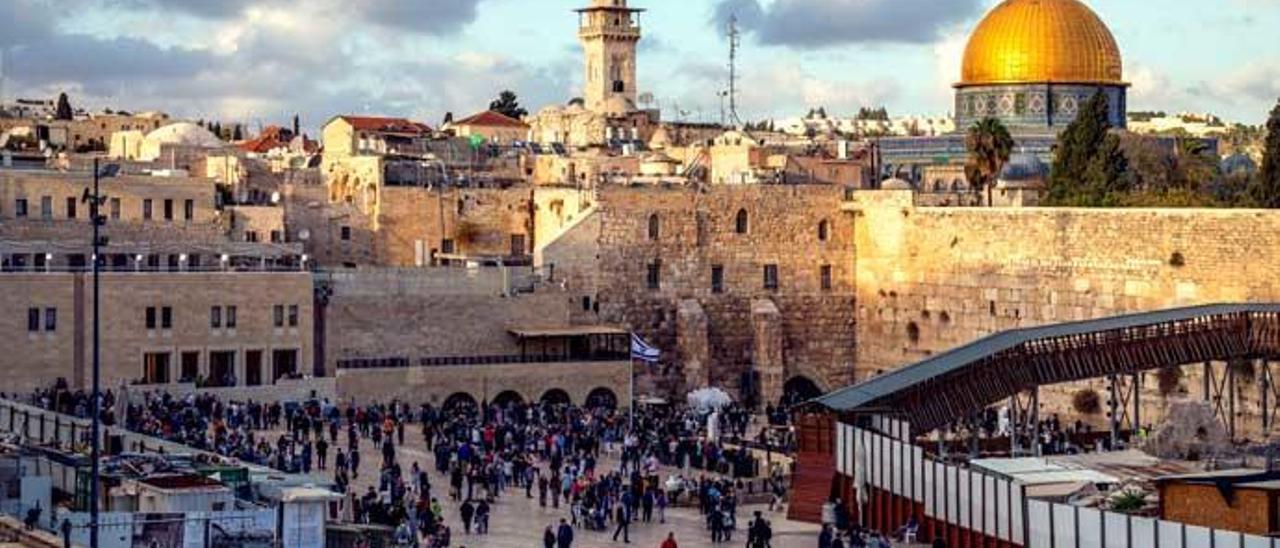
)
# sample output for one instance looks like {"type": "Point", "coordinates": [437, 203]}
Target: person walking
{"type": "Point", "coordinates": [468, 512]}
{"type": "Point", "coordinates": [670, 542]}
{"type": "Point", "coordinates": [548, 537]}
{"type": "Point", "coordinates": [623, 517]}
{"type": "Point", "coordinates": [564, 535]}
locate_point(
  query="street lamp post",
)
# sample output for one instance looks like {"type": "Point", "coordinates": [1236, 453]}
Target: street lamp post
{"type": "Point", "coordinates": [95, 200]}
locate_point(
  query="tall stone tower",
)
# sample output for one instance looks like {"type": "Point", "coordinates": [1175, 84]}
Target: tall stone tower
{"type": "Point", "coordinates": [609, 32]}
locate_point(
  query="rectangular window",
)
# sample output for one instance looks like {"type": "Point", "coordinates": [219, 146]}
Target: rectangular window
{"type": "Point", "coordinates": [20, 207]}
{"type": "Point", "coordinates": [279, 315]}
{"type": "Point", "coordinates": [190, 367]}
{"type": "Point", "coordinates": [166, 318]}
{"type": "Point", "coordinates": [173, 263]}
{"type": "Point", "coordinates": [215, 317]}
{"type": "Point", "coordinates": [155, 368]}
{"type": "Point", "coordinates": [50, 319]}
{"type": "Point", "coordinates": [717, 279]}
{"type": "Point", "coordinates": [40, 261]}
{"type": "Point", "coordinates": [275, 236]}
{"type": "Point", "coordinates": [346, 233]}
{"type": "Point", "coordinates": [826, 277]}
{"type": "Point", "coordinates": [71, 208]}
{"type": "Point", "coordinates": [771, 276]}
{"type": "Point", "coordinates": [231, 317]}
{"type": "Point", "coordinates": [250, 236]}
{"type": "Point", "coordinates": [33, 319]}
{"type": "Point", "coordinates": [446, 246]}
{"type": "Point", "coordinates": [151, 317]}
{"type": "Point", "coordinates": [46, 208]}
{"type": "Point", "coordinates": [168, 210]}
{"type": "Point", "coordinates": [293, 315]}
{"type": "Point", "coordinates": [654, 277]}
{"type": "Point", "coordinates": [115, 209]}
{"type": "Point", "coordinates": [189, 210]}
{"type": "Point", "coordinates": [146, 209]}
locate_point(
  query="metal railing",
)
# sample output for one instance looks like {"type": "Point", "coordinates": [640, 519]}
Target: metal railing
{"type": "Point", "coordinates": [394, 362]}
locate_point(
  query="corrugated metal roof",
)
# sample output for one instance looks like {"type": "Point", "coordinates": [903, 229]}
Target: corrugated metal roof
{"type": "Point", "coordinates": [864, 393]}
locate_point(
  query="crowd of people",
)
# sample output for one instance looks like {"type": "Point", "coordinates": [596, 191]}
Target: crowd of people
{"type": "Point", "coordinates": [553, 453]}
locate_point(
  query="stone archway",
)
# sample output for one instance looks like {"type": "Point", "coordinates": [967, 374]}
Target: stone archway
{"type": "Point", "coordinates": [602, 397]}
{"type": "Point", "coordinates": [459, 401]}
{"type": "Point", "coordinates": [799, 389]}
{"type": "Point", "coordinates": [556, 396]}
{"type": "Point", "coordinates": [507, 398]}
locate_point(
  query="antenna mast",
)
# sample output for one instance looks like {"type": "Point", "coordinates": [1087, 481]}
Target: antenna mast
{"type": "Point", "coordinates": [735, 41]}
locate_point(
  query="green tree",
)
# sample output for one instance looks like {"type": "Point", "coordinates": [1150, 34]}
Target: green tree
{"type": "Point", "coordinates": [507, 103]}
{"type": "Point", "coordinates": [989, 145]}
{"type": "Point", "coordinates": [1195, 167]}
{"type": "Point", "coordinates": [1266, 187]}
{"type": "Point", "coordinates": [1089, 168]}
{"type": "Point", "coordinates": [64, 111]}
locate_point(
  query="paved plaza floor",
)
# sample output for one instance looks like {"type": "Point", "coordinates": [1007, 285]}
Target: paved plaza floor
{"type": "Point", "coordinates": [518, 521]}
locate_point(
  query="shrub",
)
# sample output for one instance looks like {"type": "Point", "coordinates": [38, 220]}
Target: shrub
{"type": "Point", "coordinates": [1087, 401]}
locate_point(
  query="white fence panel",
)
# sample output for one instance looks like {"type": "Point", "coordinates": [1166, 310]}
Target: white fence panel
{"type": "Point", "coordinates": [919, 464]}
{"type": "Point", "coordinates": [1251, 541]}
{"type": "Point", "coordinates": [1019, 523]}
{"type": "Point", "coordinates": [989, 499]}
{"type": "Point", "coordinates": [1226, 539]}
{"type": "Point", "coordinates": [1142, 531]}
{"type": "Point", "coordinates": [1118, 531]}
{"type": "Point", "coordinates": [1199, 536]}
{"type": "Point", "coordinates": [1038, 514]}
{"type": "Point", "coordinates": [1089, 523]}
{"type": "Point", "coordinates": [1064, 526]}
{"type": "Point", "coordinates": [953, 494]}
{"type": "Point", "coordinates": [1169, 534]}
{"type": "Point", "coordinates": [842, 438]}
{"type": "Point", "coordinates": [1003, 517]}
{"type": "Point", "coordinates": [964, 496]}
{"type": "Point", "coordinates": [930, 496]}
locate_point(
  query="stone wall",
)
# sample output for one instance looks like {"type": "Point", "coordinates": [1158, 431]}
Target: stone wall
{"type": "Point", "coordinates": [931, 279]}
{"type": "Point", "coordinates": [606, 260]}
{"type": "Point", "coordinates": [37, 358]}
{"type": "Point", "coordinates": [413, 222]}
{"type": "Point", "coordinates": [333, 234]}
{"type": "Point", "coordinates": [440, 312]}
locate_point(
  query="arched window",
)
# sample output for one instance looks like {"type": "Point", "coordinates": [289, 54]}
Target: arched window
{"type": "Point", "coordinates": [655, 227]}
{"type": "Point", "coordinates": [742, 223]}
{"type": "Point", "coordinates": [824, 230]}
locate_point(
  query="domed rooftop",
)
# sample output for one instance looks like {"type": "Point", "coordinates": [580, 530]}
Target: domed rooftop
{"type": "Point", "coordinates": [1023, 168]}
{"type": "Point", "coordinates": [183, 134]}
{"type": "Point", "coordinates": [1041, 41]}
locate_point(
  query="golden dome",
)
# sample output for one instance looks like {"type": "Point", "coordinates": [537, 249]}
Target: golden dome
{"type": "Point", "coordinates": [1041, 41]}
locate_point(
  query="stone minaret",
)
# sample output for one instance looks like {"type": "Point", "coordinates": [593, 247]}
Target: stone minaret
{"type": "Point", "coordinates": [609, 32]}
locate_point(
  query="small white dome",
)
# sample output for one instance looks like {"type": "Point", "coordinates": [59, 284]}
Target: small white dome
{"type": "Point", "coordinates": [183, 134]}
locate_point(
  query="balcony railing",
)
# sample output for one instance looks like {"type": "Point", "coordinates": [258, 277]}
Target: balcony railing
{"type": "Point", "coordinates": [394, 362]}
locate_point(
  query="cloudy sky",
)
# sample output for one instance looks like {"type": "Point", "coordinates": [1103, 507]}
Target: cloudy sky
{"type": "Point", "coordinates": [260, 61]}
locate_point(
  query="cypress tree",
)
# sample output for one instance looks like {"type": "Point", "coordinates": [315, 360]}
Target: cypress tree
{"type": "Point", "coordinates": [1267, 187]}
{"type": "Point", "coordinates": [1089, 168]}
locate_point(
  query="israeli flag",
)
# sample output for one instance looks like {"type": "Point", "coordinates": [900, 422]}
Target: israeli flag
{"type": "Point", "coordinates": [641, 350]}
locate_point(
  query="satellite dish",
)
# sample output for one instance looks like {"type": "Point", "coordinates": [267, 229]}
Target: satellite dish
{"type": "Point", "coordinates": [304, 234]}
{"type": "Point", "coordinates": [275, 197]}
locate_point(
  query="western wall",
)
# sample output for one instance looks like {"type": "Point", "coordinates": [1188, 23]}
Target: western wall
{"type": "Point", "coordinates": [798, 328]}
{"type": "Point", "coordinates": [930, 279]}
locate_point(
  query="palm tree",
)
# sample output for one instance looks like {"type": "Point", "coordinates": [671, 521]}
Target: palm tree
{"type": "Point", "coordinates": [989, 145]}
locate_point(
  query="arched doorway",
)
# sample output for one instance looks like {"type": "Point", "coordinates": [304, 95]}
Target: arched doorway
{"type": "Point", "coordinates": [799, 389]}
{"type": "Point", "coordinates": [508, 398]}
{"type": "Point", "coordinates": [459, 402]}
{"type": "Point", "coordinates": [602, 397]}
{"type": "Point", "coordinates": [556, 396]}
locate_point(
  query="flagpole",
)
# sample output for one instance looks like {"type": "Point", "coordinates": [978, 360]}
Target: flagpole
{"type": "Point", "coordinates": [631, 388]}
